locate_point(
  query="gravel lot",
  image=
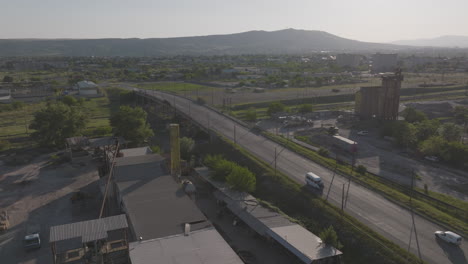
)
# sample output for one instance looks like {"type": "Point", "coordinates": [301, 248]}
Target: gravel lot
{"type": "Point", "coordinates": [38, 195]}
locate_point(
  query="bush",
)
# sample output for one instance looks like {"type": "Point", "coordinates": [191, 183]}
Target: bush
{"type": "Point", "coordinates": [4, 145]}
{"type": "Point", "coordinates": [102, 131]}
{"type": "Point", "coordinates": [241, 179]}
{"type": "Point", "coordinates": [361, 169]}
{"type": "Point", "coordinates": [69, 100]}
{"type": "Point", "coordinates": [275, 107]}
{"type": "Point", "coordinates": [186, 147]}
{"type": "Point", "coordinates": [156, 149]}
{"type": "Point", "coordinates": [329, 237]}
{"type": "Point", "coordinates": [222, 169]}
{"type": "Point", "coordinates": [324, 152]}
{"type": "Point", "coordinates": [251, 115]}
{"type": "Point", "coordinates": [200, 101]}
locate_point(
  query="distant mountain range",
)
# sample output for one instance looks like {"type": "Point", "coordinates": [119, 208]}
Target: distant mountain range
{"type": "Point", "coordinates": [443, 41]}
{"type": "Point", "coordinates": [288, 41]}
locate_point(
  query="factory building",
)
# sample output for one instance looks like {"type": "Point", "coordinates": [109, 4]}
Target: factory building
{"type": "Point", "coordinates": [380, 102]}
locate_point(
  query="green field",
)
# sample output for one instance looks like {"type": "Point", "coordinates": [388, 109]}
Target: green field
{"type": "Point", "coordinates": [14, 124]}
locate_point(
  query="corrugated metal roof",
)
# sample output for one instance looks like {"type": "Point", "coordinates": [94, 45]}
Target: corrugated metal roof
{"type": "Point", "coordinates": [88, 230]}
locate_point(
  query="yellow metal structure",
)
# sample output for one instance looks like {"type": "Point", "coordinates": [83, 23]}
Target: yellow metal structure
{"type": "Point", "coordinates": [175, 150]}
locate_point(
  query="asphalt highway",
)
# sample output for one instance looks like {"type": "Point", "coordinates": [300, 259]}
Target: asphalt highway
{"type": "Point", "coordinates": [385, 217]}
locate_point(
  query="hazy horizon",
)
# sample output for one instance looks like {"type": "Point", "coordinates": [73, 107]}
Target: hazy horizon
{"type": "Point", "coordinates": [363, 20]}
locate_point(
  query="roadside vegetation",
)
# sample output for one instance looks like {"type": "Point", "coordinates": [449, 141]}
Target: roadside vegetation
{"type": "Point", "coordinates": [359, 243]}
{"type": "Point", "coordinates": [455, 219]}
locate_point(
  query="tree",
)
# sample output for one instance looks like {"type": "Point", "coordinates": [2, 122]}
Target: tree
{"type": "Point", "coordinates": [275, 107]}
{"type": "Point", "coordinates": [251, 115]}
{"type": "Point", "coordinates": [130, 123]}
{"type": "Point", "coordinates": [241, 179]}
{"type": "Point", "coordinates": [56, 122]}
{"type": "Point", "coordinates": [305, 108]}
{"type": "Point", "coordinates": [405, 134]}
{"type": "Point", "coordinates": [329, 237]}
{"type": "Point", "coordinates": [8, 79]}
{"type": "Point", "coordinates": [17, 105]}
{"type": "Point", "coordinates": [426, 129]}
{"type": "Point", "coordinates": [455, 153]}
{"type": "Point", "coordinates": [432, 146]}
{"type": "Point", "coordinates": [450, 132]}
{"type": "Point", "coordinates": [186, 147]}
{"type": "Point", "coordinates": [461, 114]}
{"type": "Point", "coordinates": [69, 100]}
{"type": "Point", "coordinates": [412, 115]}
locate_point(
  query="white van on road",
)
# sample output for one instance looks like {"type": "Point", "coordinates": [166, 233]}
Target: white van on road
{"type": "Point", "coordinates": [314, 180]}
{"type": "Point", "coordinates": [449, 237]}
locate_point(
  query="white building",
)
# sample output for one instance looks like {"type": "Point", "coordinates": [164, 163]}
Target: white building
{"type": "Point", "coordinates": [86, 88]}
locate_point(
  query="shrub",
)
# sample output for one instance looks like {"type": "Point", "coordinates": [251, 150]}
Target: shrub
{"type": "Point", "coordinates": [4, 145]}
{"type": "Point", "coordinates": [156, 149]}
{"type": "Point", "coordinates": [324, 152]}
{"type": "Point", "coordinates": [361, 169]}
{"type": "Point", "coordinates": [201, 101]}
{"type": "Point", "coordinates": [329, 237]}
{"type": "Point", "coordinates": [251, 115]}
{"type": "Point", "coordinates": [241, 179]}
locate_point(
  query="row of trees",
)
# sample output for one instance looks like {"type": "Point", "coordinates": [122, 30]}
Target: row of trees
{"type": "Point", "coordinates": [278, 107]}
{"type": "Point", "coordinates": [238, 177]}
{"type": "Point", "coordinates": [430, 137]}
{"type": "Point", "coordinates": [67, 118]}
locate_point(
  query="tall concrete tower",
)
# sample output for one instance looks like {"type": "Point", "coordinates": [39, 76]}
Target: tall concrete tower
{"type": "Point", "coordinates": [175, 150]}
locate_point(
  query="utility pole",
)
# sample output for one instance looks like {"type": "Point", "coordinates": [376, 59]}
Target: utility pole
{"type": "Point", "coordinates": [275, 160]}
{"type": "Point", "coordinates": [349, 177]}
{"type": "Point", "coordinates": [235, 141]}
{"type": "Point", "coordinates": [412, 216]}
{"type": "Point", "coordinates": [331, 183]}
{"type": "Point", "coordinates": [342, 197]}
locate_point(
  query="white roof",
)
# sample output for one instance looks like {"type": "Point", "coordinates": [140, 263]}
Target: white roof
{"type": "Point", "coordinates": [306, 246]}
{"type": "Point", "coordinates": [452, 234]}
{"type": "Point", "coordinates": [204, 246]}
{"type": "Point", "coordinates": [85, 84]}
{"type": "Point", "coordinates": [347, 140]}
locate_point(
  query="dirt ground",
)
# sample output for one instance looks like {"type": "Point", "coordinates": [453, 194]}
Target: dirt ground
{"type": "Point", "coordinates": [38, 195]}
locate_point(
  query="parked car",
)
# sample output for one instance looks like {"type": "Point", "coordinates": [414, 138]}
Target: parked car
{"type": "Point", "coordinates": [313, 180]}
{"type": "Point", "coordinates": [32, 241]}
{"type": "Point", "coordinates": [363, 133]}
{"type": "Point", "coordinates": [432, 158]}
{"type": "Point", "coordinates": [449, 237]}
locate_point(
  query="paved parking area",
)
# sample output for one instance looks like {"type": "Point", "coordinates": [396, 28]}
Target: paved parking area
{"type": "Point", "coordinates": [37, 196]}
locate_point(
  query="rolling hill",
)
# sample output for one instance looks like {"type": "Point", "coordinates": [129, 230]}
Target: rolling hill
{"type": "Point", "coordinates": [288, 41]}
{"type": "Point", "coordinates": [443, 41]}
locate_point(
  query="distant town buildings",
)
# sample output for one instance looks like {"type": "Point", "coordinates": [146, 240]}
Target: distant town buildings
{"type": "Point", "coordinates": [384, 62]}
{"type": "Point", "coordinates": [348, 60]}
{"type": "Point", "coordinates": [86, 88]}
{"type": "Point", "coordinates": [380, 102]}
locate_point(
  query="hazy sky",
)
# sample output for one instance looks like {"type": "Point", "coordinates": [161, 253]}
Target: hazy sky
{"type": "Point", "coordinates": [367, 20]}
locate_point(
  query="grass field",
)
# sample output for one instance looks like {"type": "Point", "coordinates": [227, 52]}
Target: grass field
{"type": "Point", "coordinates": [14, 124]}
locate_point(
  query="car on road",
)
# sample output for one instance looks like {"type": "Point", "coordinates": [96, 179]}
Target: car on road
{"type": "Point", "coordinates": [363, 133]}
{"type": "Point", "coordinates": [449, 237]}
{"type": "Point", "coordinates": [432, 158]}
{"type": "Point", "coordinates": [32, 241]}
{"type": "Point", "coordinates": [314, 180]}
